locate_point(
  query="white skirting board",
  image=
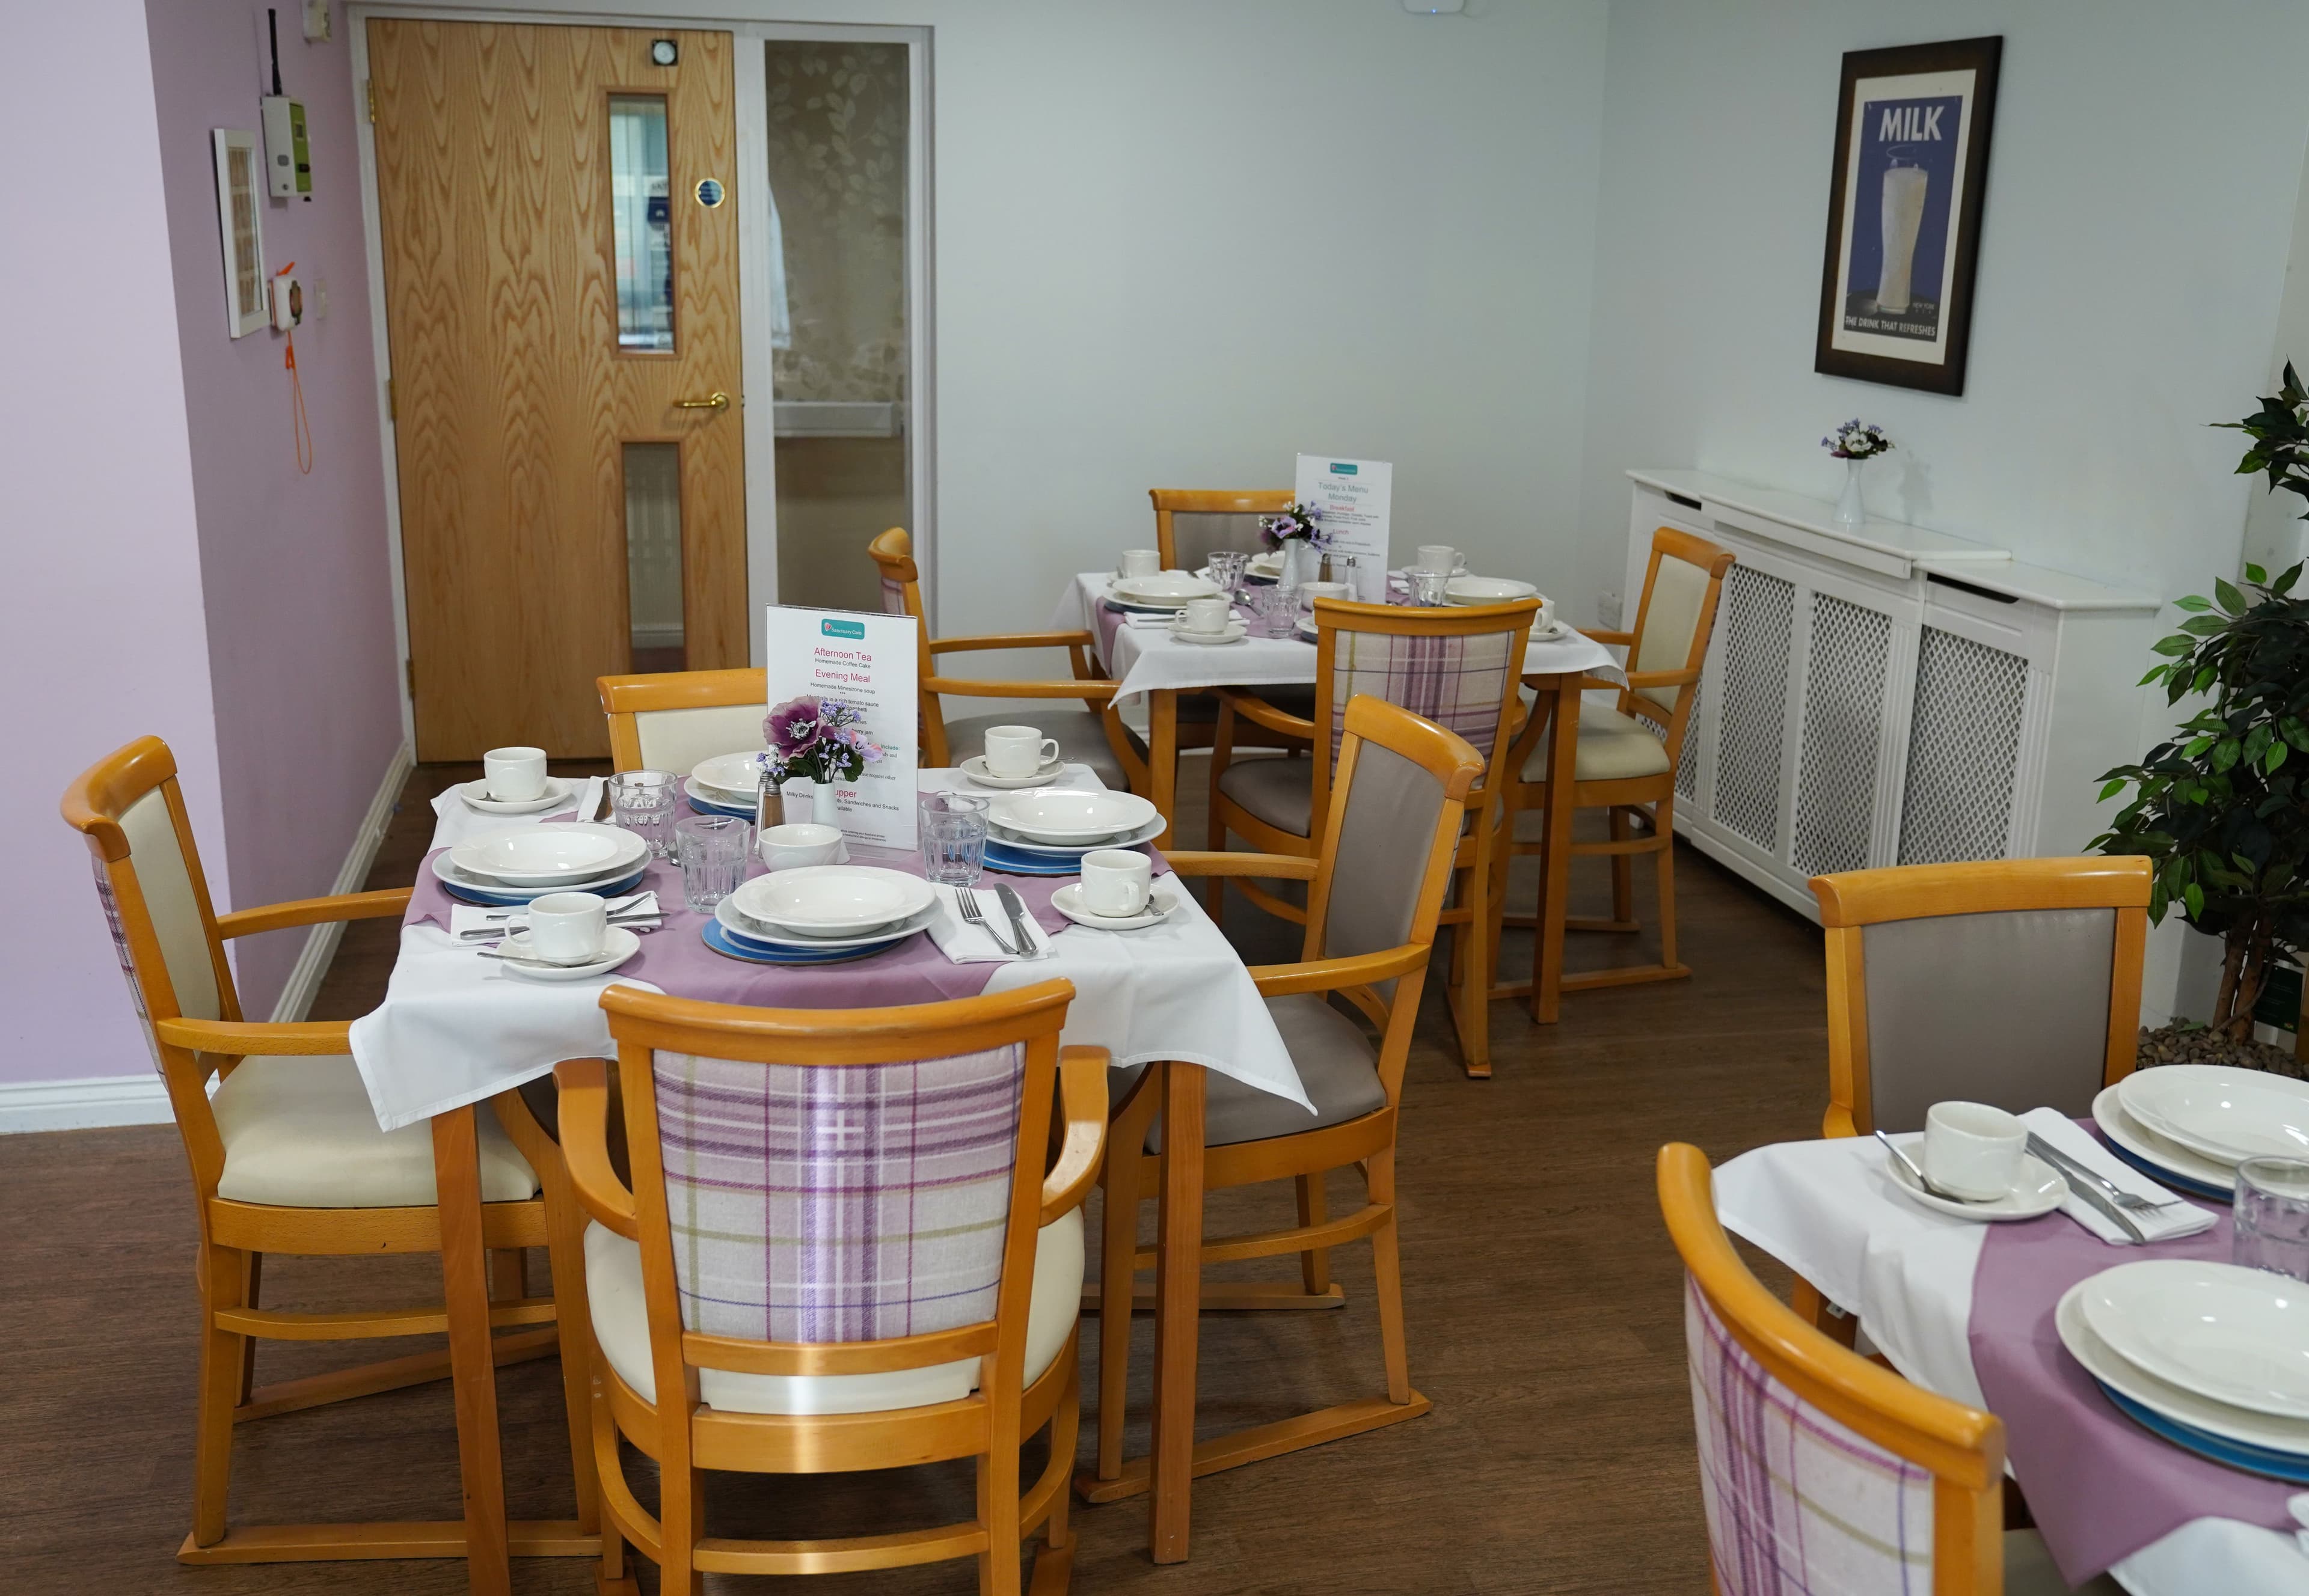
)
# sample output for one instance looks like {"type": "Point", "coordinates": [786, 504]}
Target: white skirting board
{"type": "Point", "coordinates": [140, 1098]}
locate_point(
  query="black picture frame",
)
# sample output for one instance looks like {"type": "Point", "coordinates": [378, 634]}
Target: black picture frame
{"type": "Point", "coordinates": [1929, 110]}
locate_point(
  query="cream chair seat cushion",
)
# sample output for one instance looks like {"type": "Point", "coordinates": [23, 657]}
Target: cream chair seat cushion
{"type": "Point", "coordinates": [613, 1288]}
{"type": "Point", "coordinates": [1082, 737]}
{"type": "Point", "coordinates": [1612, 748]}
{"type": "Point", "coordinates": [1279, 791]}
{"type": "Point", "coordinates": [299, 1133]}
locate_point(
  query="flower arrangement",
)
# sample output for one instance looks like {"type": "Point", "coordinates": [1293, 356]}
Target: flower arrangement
{"type": "Point", "coordinates": [1300, 521]}
{"type": "Point", "coordinates": [822, 738]}
{"type": "Point", "coordinates": [1857, 440]}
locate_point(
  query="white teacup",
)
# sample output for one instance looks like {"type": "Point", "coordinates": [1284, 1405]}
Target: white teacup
{"type": "Point", "coordinates": [1140, 562]}
{"type": "Point", "coordinates": [789, 847]}
{"type": "Point", "coordinates": [1309, 591]}
{"type": "Point", "coordinates": [1017, 751]}
{"type": "Point", "coordinates": [568, 927]}
{"type": "Point", "coordinates": [1207, 617]}
{"type": "Point", "coordinates": [1973, 1150]}
{"type": "Point", "coordinates": [1117, 881]}
{"type": "Point", "coordinates": [1440, 557]}
{"type": "Point", "coordinates": [515, 775]}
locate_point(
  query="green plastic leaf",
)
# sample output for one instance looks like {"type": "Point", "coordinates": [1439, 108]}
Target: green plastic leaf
{"type": "Point", "coordinates": [2110, 792]}
{"type": "Point", "coordinates": [2204, 680]}
{"type": "Point", "coordinates": [2195, 899]}
{"type": "Point", "coordinates": [2274, 757]}
{"type": "Point", "coordinates": [2156, 673]}
{"type": "Point", "coordinates": [2251, 573]}
{"type": "Point", "coordinates": [2193, 602]}
{"type": "Point", "coordinates": [2226, 595]}
{"type": "Point", "coordinates": [2285, 581]}
{"type": "Point", "coordinates": [2173, 646]}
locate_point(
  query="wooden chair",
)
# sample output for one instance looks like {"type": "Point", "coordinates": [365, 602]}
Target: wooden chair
{"type": "Point", "coordinates": [1404, 785]}
{"type": "Point", "coordinates": [673, 721]}
{"type": "Point", "coordinates": [1821, 1470]}
{"type": "Point", "coordinates": [2014, 982]}
{"type": "Point", "coordinates": [1458, 665]}
{"type": "Point", "coordinates": [1190, 524]}
{"type": "Point", "coordinates": [1627, 758]}
{"type": "Point", "coordinates": [1092, 735]}
{"type": "Point", "coordinates": [742, 1324]}
{"type": "Point", "coordinates": [287, 1158]}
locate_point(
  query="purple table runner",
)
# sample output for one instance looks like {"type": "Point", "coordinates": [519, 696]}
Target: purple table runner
{"type": "Point", "coordinates": [2101, 1488]}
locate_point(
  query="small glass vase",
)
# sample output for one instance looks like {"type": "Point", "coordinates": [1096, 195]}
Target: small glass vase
{"type": "Point", "coordinates": [1849, 511]}
{"type": "Point", "coordinates": [1302, 564]}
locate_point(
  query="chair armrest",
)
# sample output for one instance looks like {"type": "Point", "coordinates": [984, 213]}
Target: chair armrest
{"type": "Point", "coordinates": [257, 1038]}
{"type": "Point", "coordinates": [585, 1115]}
{"type": "Point", "coordinates": [1192, 862]}
{"type": "Point", "coordinates": [313, 912]}
{"type": "Point", "coordinates": [1601, 635]}
{"type": "Point", "coordinates": [1012, 640]}
{"type": "Point", "coordinates": [1259, 712]}
{"type": "Point", "coordinates": [1332, 975]}
{"type": "Point", "coordinates": [1082, 1099]}
{"type": "Point", "coordinates": [1658, 679]}
{"type": "Point", "coordinates": [1085, 687]}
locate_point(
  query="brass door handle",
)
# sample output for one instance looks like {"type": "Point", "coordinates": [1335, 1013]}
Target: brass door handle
{"type": "Point", "coordinates": [716, 401]}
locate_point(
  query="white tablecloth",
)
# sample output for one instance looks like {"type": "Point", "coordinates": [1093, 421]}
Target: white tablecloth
{"type": "Point", "coordinates": [1148, 658]}
{"type": "Point", "coordinates": [456, 1028]}
{"type": "Point", "coordinates": [1828, 1210]}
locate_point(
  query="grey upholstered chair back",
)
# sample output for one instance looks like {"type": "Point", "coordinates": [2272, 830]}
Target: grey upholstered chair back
{"type": "Point", "coordinates": [2009, 1008]}
{"type": "Point", "coordinates": [1194, 533]}
{"type": "Point", "coordinates": [1385, 838]}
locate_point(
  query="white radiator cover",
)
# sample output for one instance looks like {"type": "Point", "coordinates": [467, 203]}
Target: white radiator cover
{"type": "Point", "coordinates": [1890, 695]}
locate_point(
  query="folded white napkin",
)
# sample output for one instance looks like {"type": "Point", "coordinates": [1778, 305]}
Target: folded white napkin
{"type": "Point", "coordinates": [2158, 1224]}
{"type": "Point", "coordinates": [1159, 623]}
{"type": "Point", "coordinates": [965, 943]}
{"type": "Point", "coordinates": [636, 912]}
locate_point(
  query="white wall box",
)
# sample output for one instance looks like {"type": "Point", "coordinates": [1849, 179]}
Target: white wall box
{"type": "Point", "coordinates": [1890, 695]}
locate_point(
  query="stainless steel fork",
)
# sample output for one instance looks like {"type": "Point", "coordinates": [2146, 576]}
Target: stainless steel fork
{"type": "Point", "coordinates": [977, 916]}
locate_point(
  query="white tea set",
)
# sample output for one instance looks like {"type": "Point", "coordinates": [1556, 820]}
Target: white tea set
{"type": "Point", "coordinates": [1015, 756]}
{"type": "Point", "coordinates": [513, 782]}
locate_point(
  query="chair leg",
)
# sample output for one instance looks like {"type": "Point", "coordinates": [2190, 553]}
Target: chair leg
{"type": "Point", "coordinates": [1315, 1262]}
{"type": "Point", "coordinates": [1473, 956]}
{"type": "Point", "coordinates": [610, 1578]}
{"type": "Point", "coordinates": [997, 1510]}
{"type": "Point", "coordinates": [1386, 1268]}
{"type": "Point", "coordinates": [681, 1523]}
{"type": "Point", "coordinates": [1664, 821]}
{"type": "Point", "coordinates": [224, 1284]}
{"type": "Point", "coordinates": [248, 1342]}
{"type": "Point", "coordinates": [1623, 869]}
{"type": "Point", "coordinates": [1221, 754]}
{"type": "Point", "coordinates": [1117, 1258]}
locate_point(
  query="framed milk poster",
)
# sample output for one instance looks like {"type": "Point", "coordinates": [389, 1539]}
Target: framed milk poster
{"type": "Point", "coordinates": [1912, 130]}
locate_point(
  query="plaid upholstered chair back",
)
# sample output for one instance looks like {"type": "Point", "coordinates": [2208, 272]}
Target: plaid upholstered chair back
{"type": "Point", "coordinates": [838, 1203]}
{"type": "Point", "coordinates": [1429, 661]}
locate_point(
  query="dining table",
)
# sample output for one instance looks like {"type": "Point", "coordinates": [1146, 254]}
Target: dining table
{"type": "Point", "coordinates": [1138, 652]}
{"type": "Point", "coordinates": [1968, 1309]}
{"type": "Point", "coordinates": [456, 1030]}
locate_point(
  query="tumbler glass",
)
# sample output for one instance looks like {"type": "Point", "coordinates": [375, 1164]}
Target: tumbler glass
{"type": "Point", "coordinates": [714, 852]}
{"type": "Point", "coordinates": [1227, 567]}
{"type": "Point", "coordinates": [954, 837]}
{"type": "Point", "coordinates": [1427, 587]}
{"type": "Point", "coordinates": [2272, 1216]}
{"type": "Point", "coordinates": [1278, 608]}
{"type": "Point", "coordinates": [641, 802]}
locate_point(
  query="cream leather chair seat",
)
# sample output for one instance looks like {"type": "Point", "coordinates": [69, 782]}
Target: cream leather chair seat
{"type": "Point", "coordinates": [299, 1133]}
{"type": "Point", "coordinates": [1612, 748]}
{"type": "Point", "coordinates": [613, 1287]}
{"type": "Point", "coordinates": [1338, 1069]}
{"type": "Point", "coordinates": [1280, 791]}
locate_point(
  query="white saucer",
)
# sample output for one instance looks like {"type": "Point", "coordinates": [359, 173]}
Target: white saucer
{"type": "Point", "coordinates": [1235, 633]}
{"type": "Point", "coordinates": [618, 945]}
{"type": "Point", "coordinates": [2038, 1191]}
{"type": "Point", "coordinates": [475, 796]}
{"type": "Point", "coordinates": [1550, 632]}
{"type": "Point", "coordinates": [974, 767]}
{"type": "Point", "coordinates": [1160, 906]}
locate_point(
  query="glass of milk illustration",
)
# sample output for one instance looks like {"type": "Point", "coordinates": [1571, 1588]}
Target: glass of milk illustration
{"type": "Point", "coordinates": [1904, 213]}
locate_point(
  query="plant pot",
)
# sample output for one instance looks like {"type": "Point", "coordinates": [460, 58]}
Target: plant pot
{"type": "Point", "coordinates": [1849, 511]}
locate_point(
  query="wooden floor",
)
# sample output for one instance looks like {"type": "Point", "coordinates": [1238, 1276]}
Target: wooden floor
{"type": "Point", "coordinates": [1543, 1308]}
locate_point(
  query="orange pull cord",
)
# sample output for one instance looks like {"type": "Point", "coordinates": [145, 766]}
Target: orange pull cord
{"type": "Point", "coordinates": [302, 428]}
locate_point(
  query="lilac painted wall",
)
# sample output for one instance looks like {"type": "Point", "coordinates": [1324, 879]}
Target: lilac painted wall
{"type": "Point", "coordinates": [294, 567]}
{"type": "Point", "coordinates": [99, 562]}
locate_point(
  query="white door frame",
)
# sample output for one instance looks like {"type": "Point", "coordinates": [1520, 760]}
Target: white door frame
{"type": "Point", "coordinates": [752, 188]}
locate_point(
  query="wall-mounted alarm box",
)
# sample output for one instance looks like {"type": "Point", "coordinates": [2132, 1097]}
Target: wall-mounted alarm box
{"type": "Point", "coordinates": [288, 302]}
{"type": "Point", "coordinates": [287, 158]}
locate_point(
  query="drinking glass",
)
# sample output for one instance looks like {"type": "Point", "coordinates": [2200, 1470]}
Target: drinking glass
{"type": "Point", "coordinates": [1276, 608]}
{"type": "Point", "coordinates": [641, 802]}
{"type": "Point", "coordinates": [954, 837]}
{"type": "Point", "coordinates": [2272, 1216]}
{"type": "Point", "coordinates": [714, 852]}
{"type": "Point", "coordinates": [1427, 587]}
{"type": "Point", "coordinates": [1227, 567]}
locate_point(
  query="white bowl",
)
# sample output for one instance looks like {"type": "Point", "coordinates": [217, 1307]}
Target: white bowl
{"type": "Point", "coordinates": [1070, 815]}
{"type": "Point", "coordinates": [2237, 1335]}
{"type": "Point", "coordinates": [834, 899]}
{"type": "Point", "coordinates": [540, 855]}
{"type": "Point", "coordinates": [2230, 1115]}
{"type": "Point", "coordinates": [736, 773]}
{"type": "Point", "coordinates": [1487, 589]}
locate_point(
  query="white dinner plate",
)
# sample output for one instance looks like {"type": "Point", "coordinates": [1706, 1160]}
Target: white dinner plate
{"type": "Point", "coordinates": [745, 928]}
{"type": "Point", "coordinates": [618, 945]}
{"type": "Point", "coordinates": [1160, 906]}
{"type": "Point", "coordinates": [1070, 815]}
{"type": "Point", "coordinates": [502, 894]}
{"type": "Point", "coordinates": [1487, 589]}
{"type": "Point", "coordinates": [2226, 1113]}
{"type": "Point", "coordinates": [2168, 1158]}
{"type": "Point", "coordinates": [974, 767]}
{"type": "Point", "coordinates": [1129, 839]}
{"type": "Point", "coordinates": [732, 776]}
{"type": "Point", "coordinates": [1167, 588]}
{"type": "Point", "coordinates": [1269, 564]}
{"type": "Point", "coordinates": [834, 899]}
{"type": "Point", "coordinates": [2038, 1189]}
{"type": "Point", "coordinates": [540, 855]}
{"type": "Point", "coordinates": [1235, 633]}
{"type": "Point", "coordinates": [2120, 1374]}
{"type": "Point", "coordinates": [2239, 1336]}
{"type": "Point", "coordinates": [476, 795]}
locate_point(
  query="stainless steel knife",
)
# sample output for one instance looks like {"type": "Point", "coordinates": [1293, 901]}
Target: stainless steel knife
{"type": "Point", "coordinates": [1016, 905]}
{"type": "Point", "coordinates": [2083, 1187]}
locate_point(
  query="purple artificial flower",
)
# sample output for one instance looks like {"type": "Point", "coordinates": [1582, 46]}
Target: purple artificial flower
{"type": "Point", "coordinates": [793, 727]}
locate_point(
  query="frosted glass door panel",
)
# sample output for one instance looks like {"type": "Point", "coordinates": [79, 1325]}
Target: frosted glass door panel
{"type": "Point", "coordinates": [653, 556]}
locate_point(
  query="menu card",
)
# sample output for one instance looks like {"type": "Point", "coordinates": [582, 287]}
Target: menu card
{"type": "Point", "coordinates": [868, 662]}
{"type": "Point", "coordinates": [1352, 495]}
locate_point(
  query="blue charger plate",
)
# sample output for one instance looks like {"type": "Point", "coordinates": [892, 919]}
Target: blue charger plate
{"type": "Point", "coordinates": [474, 894]}
{"type": "Point", "coordinates": [2237, 1454]}
{"type": "Point", "coordinates": [1012, 862]}
{"type": "Point", "coordinates": [717, 938]}
{"type": "Point", "coordinates": [2186, 1184]}
{"type": "Point", "coordinates": [707, 806]}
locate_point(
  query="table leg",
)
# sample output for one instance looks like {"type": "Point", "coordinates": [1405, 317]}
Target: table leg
{"type": "Point", "coordinates": [1178, 1308]}
{"type": "Point", "coordinates": [473, 1364]}
{"type": "Point", "coordinates": [1163, 759]}
{"type": "Point", "coordinates": [1555, 881]}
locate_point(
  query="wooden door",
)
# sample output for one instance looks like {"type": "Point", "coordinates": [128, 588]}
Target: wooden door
{"type": "Point", "coordinates": [516, 396]}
